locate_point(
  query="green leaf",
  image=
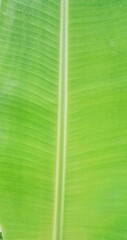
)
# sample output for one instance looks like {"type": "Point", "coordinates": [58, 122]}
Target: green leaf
{"type": "Point", "coordinates": [63, 119]}
{"type": "Point", "coordinates": [29, 63]}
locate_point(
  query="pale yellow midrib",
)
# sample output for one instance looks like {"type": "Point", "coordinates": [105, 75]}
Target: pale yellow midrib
{"type": "Point", "coordinates": [62, 125]}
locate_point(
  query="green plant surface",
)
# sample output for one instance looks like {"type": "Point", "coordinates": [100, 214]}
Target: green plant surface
{"type": "Point", "coordinates": [81, 129]}
{"type": "Point", "coordinates": [96, 177]}
{"type": "Point", "coordinates": [29, 55]}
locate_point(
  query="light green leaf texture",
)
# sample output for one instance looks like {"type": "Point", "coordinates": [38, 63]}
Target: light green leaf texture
{"type": "Point", "coordinates": [63, 119]}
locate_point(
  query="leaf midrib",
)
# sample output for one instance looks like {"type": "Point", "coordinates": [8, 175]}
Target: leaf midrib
{"type": "Point", "coordinates": [62, 124]}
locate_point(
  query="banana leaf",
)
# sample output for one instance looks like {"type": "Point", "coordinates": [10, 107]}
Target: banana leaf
{"type": "Point", "coordinates": [63, 119]}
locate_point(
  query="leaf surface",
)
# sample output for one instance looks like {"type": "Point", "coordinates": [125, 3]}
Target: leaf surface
{"type": "Point", "coordinates": [63, 138]}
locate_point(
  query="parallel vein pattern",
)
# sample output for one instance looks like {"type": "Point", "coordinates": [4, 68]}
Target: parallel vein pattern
{"type": "Point", "coordinates": [96, 168]}
{"type": "Point", "coordinates": [78, 192]}
{"type": "Point", "coordinates": [29, 61]}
